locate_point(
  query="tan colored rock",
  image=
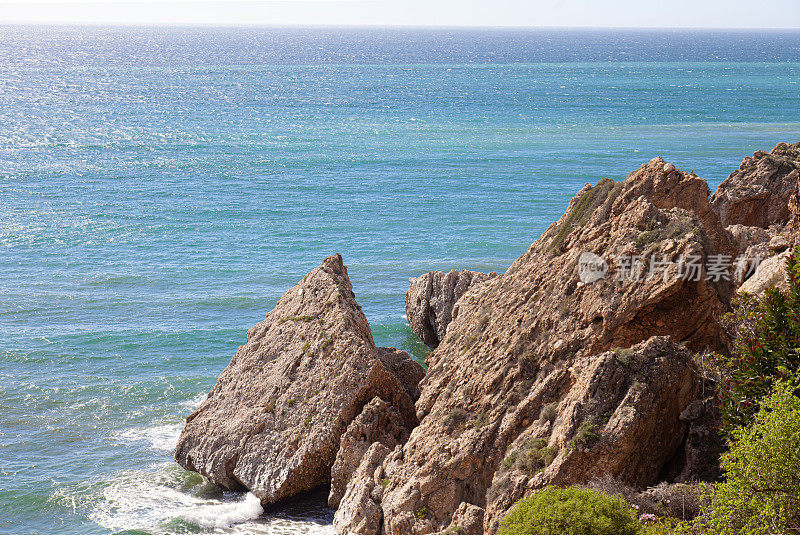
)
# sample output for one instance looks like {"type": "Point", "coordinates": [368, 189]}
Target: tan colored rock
{"type": "Point", "coordinates": [771, 273]}
{"type": "Point", "coordinates": [359, 512]}
{"type": "Point", "coordinates": [273, 422]}
{"type": "Point", "coordinates": [620, 418]}
{"type": "Point", "coordinates": [378, 422]}
{"type": "Point", "coordinates": [758, 193]}
{"type": "Point", "coordinates": [520, 344]}
{"type": "Point", "coordinates": [431, 297]}
{"type": "Point", "coordinates": [745, 237]}
{"type": "Point", "coordinates": [467, 520]}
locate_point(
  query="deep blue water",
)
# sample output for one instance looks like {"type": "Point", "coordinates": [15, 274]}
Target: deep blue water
{"type": "Point", "coordinates": [161, 188]}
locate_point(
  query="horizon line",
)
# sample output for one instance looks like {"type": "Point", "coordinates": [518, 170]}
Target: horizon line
{"type": "Point", "coordinates": [256, 25]}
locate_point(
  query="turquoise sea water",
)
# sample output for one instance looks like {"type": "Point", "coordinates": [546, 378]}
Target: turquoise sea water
{"type": "Point", "coordinates": [162, 188]}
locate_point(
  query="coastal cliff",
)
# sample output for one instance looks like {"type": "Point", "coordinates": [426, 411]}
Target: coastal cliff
{"type": "Point", "coordinates": [575, 364]}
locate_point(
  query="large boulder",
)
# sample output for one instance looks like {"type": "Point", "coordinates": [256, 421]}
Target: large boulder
{"type": "Point", "coordinates": [531, 353]}
{"type": "Point", "coordinates": [273, 422]}
{"type": "Point", "coordinates": [770, 273]}
{"type": "Point", "coordinates": [757, 194]}
{"type": "Point", "coordinates": [431, 297]}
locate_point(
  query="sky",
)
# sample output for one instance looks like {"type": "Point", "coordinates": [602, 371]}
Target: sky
{"type": "Point", "coordinates": [526, 13]}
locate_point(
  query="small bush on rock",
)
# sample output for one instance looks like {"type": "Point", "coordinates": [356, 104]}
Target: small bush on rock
{"type": "Point", "coordinates": [766, 348]}
{"type": "Point", "coordinates": [761, 492]}
{"type": "Point", "coordinates": [571, 511]}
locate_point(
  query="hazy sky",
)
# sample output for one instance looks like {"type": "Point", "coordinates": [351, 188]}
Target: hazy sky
{"type": "Point", "coordinates": [608, 13]}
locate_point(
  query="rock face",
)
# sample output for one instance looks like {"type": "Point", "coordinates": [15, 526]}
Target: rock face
{"type": "Point", "coordinates": [757, 194]}
{"type": "Point", "coordinates": [274, 421]}
{"type": "Point", "coordinates": [530, 363]}
{"type": "Point", "coordinates": [380, 423]}
{"type": "Point", "coordinates": [757, 202]}
{"type": "Point", "coordinates": [359, 512]}
{"type": "Point", "coordinates": [612, 421]}
{"type": "Point", "coordinates": [431, 297]}
{"type": "Point", "coordinates": [771, 273]}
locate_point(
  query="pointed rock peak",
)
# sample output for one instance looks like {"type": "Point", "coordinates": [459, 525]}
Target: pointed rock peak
{"type": "Point", "coordinates": [273, 422]}
{"type": "Point", "coordinates": [334, 264]}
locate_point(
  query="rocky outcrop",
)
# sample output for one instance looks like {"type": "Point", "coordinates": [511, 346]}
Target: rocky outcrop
{"type": "Point", "coordinates": [359, 512]}
{"type": "Point", "coordinates": [431, 298]}
{"type": "Point", "coordinates": [528, 360]}
{"type": "Point", "coordinates": [620, 418]}
{"type": "Point", "coordinates": [757, 194]}
{"type": "Point", "coordinates": [378, 422]}
{"type": "Point", "coordinates": [770, 273]}
{"type": "Point", "coordinates": [274, 421]}
{"type": "Point", "coordinates": [756, 202]}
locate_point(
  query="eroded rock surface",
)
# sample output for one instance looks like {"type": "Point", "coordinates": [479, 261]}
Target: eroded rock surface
{"type": "Point", "coordinates": [529, 356]}
{"type": "Point", "coordinates": [378, 422]}
{"type": "Point", "coordinates": [431, 297]}
{"type": "Point", "coordinates": [359, 512]}
{"type": "Point", "coordinates": [757, 194]}
{"type": "Point", "coordinates": [620, 418]}
{"type": "Point", "coordinates": [273, 422]}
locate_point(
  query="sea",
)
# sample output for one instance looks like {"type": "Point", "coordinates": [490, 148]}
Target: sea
{"type": "Point", "coordinates": [161, 187]}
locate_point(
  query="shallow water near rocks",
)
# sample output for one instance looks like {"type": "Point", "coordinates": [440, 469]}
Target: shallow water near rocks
{"type": "Point", "coordinates": [162, 188]}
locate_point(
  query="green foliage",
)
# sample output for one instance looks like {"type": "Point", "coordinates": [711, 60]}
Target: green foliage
{"type": "Point", "coordinates": [661, 526]}
{"type": "Point", "coordinates": [761, 493]}
{"type": "Point", "coordinates": [623, 355]}
{"type": "Point", "coordinates": [571, 511]}
{"type": "Point", "coordinates": [766, 347]}
{"type": "Point", "coordinates": [605, 190]}
{"type": "Point", "coordinates": [680, 226]}
{"type": "Point", "coordinates": [549, 412]}
{"type": "Point", "coordinates": [534, 455]}
{"type": "Point", "coordinates": [585, 436]}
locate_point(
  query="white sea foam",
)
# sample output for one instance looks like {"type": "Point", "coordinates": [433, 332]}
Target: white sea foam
{"type": "Point", "coordinates": [224, 515]}
{"type": "Point", "coordinates": [194, 402]}
{"type": "Point", "coordinates": [159, 437]}
{"type": "Point", "coordinates": [162, 501]}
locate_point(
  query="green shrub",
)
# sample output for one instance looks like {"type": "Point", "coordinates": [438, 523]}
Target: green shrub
{"type": "Point", "coordinates": [571, 511]}
{"type": "Point", "coordinates": [531, 457]}
{"type": "Point", "coordinates": [549, 412]}
{"type": "Point", "coordinates": [585, 436]}
{"type": "Point", "coordinates": [766, 348]}
{"type": "Point", "coordinates": [761, 492]}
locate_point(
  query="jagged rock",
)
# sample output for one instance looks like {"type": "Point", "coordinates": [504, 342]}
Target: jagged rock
{"type": "Point", "coordinates": [521, 343]}
{"type": "Point", "coordinates": [754, 245]}
{"type": "Point", "coordinates": [406, 369]}
{"type": "Point", "coordinates": [778, 244]}
{"type": "Point", "coordinates": [745, 237]}
{"type": "Point", "coordinates": [793, 227]}
{"type": "Point", "coordinates": [273, 422]}
{"type": "Point", "coordinates": [771, 273]}
{"type": "Point", "coordinates": [431, 297]}
{"type": "Point", "coordinates": [757, 194]}
{"type": "Point", "coordinates": [467, 520]}
{"type": "Point", "coordinates": [359, 513]}
{"type": "Point", "coordinates": [621, 418]}
{"type": "Point", "coordinates": [378, 422]}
